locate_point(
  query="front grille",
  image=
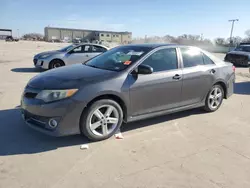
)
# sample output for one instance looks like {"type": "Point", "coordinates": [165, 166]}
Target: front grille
{"type": "Point", "coordinates": [30, 95]}
{"type": "Point", "coordinates": [236, 58]}
{"type": "Point", "coordinates": [38, 121]}
{"type": "Point", "coordinates": [35, 61]}
{"type": "Point", "coordinates": [35, 117]}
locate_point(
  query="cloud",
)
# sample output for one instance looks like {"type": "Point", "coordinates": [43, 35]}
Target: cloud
{"type": "Point", "coordinates": [78, 22]}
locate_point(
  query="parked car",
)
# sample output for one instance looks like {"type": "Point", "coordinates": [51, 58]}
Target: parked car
{"type": "Point", "coordinates": [11, 39]}
{"type": "Point", "coordinates": [240, 55]}
{"type": "Point", "coordinates": [76, 41]}
{"type": "Point", "coordinates": [80, 40]}
{"type": "Point", "coordinates": [125, 84]}
{"type": "Point", "coordinates": [75, 53]}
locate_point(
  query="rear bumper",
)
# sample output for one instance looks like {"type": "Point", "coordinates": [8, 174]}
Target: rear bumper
{"type": "Point", "coordinates": [66, 112]}
{"type": "Point", "coordinates": [230, 86]}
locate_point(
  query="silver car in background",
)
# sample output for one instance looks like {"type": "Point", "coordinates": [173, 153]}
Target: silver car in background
{"type": "Point", "coordinates": [73, 54]}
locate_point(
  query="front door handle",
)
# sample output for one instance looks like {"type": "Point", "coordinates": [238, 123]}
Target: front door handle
{"type": "Point", "coordinates": [87, 55]}
{"type": "Point", "coordinates": [177, 77]}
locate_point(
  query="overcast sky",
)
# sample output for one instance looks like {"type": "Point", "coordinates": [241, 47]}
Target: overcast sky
{"type": "Point", "coordinates": [142, 17]}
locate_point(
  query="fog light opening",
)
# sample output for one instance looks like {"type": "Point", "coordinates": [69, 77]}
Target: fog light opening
{"type": "Point", "coordinates": [53, 123]}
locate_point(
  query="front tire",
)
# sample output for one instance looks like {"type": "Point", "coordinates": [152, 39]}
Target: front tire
{"type": "Point", "coordinates": [101, 120]}
{"type": "Point", "coordinates": [56, 64]}
{"type": "Point", "coordinates": [214, 98]}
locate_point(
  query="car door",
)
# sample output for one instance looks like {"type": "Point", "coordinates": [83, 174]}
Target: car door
{"type": "Point", "coordinates": [79, 54]}
{"type": "Point", "coordinates": [160, 90]}
{"type": "Point", "coordinates": [198, 75]}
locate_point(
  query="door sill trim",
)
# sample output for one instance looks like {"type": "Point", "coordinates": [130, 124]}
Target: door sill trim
{"type": "Point", "coordinates": [163, 112]}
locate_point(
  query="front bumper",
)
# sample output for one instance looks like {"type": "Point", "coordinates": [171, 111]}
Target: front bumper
{"type": "Point", "coordinates": [246, 63]}
{"type": "Point", "coordinates": [237, 59]}
{"type": "Point", "coordinates": [66, 112]}
{"type": "Point", "coordinates": [41, 63]}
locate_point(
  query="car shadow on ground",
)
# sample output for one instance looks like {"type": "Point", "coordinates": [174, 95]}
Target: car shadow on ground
{"type": "Point", "coordinates": [17, 138]}
{"type": "Point", "coordinates": [242, 88]}
{"type": "Point", "coordinates": [160, 119]}
{"type": "Point", "coordinates": [27, 70]}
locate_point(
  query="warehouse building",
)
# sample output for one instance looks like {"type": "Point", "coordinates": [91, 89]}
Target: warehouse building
{"type": "Point", "coordinates": [66, 34]}
{"type": "Point", "coordinates": [4, 33]}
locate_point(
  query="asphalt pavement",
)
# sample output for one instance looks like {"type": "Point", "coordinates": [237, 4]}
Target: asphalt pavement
{"type": "Point", "coordinates": [182, 150]}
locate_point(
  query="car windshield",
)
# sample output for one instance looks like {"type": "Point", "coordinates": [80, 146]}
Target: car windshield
{"type": "Point", "coordinates": [67, 48]}
{"type": "Point", "coordinates": [243, 48]}
{"type": "Point", "coordinates": [118, 58]}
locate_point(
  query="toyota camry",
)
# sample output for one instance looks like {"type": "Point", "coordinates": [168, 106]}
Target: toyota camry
{"type": "Point", "coordinates": [125, 84]}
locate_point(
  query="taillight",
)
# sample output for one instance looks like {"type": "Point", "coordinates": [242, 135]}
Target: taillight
{"type": "Point", "coordinates": [234, 68]}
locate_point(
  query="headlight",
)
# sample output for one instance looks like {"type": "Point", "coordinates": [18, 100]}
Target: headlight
{"type": "Point", "coordinates": [54, 95]}
{"type": "Point", "coordinates": [44, 56]}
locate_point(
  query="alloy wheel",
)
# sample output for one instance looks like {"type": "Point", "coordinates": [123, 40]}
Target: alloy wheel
{"type": "Point", "coordinates": [215, 98]}
{"type": "Point", "coordinates": [56, 65]}
{"type": "Point", "coordinates": [104, 120]}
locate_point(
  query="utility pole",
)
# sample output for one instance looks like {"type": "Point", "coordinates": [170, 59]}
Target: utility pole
{"type": "Point", "coordinates": [233, 20]}
{"type": "Point", "coordinates": [201, 37]}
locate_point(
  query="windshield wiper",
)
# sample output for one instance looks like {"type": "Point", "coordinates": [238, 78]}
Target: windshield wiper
{"type": "Point", "coordinates": [99, 67]}
{"type": "Point", "coordinates": [91, 66]}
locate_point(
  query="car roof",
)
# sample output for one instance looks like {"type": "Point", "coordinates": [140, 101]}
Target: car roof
{"type": "Point", "coordinates": [88, 43]}
{"type": "Point", "coordinates": [155, 45]}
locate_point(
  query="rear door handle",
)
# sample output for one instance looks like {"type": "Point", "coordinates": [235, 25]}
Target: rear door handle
{"type": "Point", "coordinates": [177, 77]}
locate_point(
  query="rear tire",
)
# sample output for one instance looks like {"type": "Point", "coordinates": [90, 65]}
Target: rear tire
{"type": "Point", "coordinates": [214, 98]}
{"type": "Point", "coordinates": [56, 64]}
{"type": "Point", "coordinates": [98, 123]}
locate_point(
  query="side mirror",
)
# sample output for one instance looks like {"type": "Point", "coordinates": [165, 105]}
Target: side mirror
{"type": "Point", "coordinates": [144, 69]}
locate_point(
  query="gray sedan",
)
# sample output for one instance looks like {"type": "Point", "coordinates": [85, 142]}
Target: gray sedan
{"type": "Point", "coordinates": [67, 56]}
{"type": "Point", "coordinates": [125, 84]}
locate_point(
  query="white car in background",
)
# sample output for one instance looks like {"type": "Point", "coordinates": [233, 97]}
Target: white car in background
{"type": "Point", "coordinates": [73, 54]}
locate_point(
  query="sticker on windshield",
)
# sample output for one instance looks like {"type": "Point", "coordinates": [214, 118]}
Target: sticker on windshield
{"type": "Point", "coordinates": [127, 62]}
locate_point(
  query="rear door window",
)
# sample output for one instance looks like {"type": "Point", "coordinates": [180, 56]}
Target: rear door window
{"type": "Point", "coordinates": [191, 57]}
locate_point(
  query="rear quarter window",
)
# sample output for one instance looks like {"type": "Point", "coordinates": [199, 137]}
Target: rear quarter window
{"type": "Point", "coordinates": [215, 59]}
{"type": "Point", "coordinates": [207, 60]}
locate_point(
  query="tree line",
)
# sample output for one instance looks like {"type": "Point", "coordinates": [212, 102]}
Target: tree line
{"type": "Point", "coordinates": [185, 39]}
{"type": "Point", "coordinates": [196, 40]}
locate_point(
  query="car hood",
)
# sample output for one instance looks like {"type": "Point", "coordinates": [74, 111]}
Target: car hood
{"type": "Point", "coordinates": [48, 53]}
{"type": "Point", "coordinates": [239, 53]}
{"type": "Point", "coordinates": [68, 77]}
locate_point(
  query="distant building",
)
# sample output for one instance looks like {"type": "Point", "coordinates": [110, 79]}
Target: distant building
{"type": "Point", "coordinates": [4, 33]}
{"type": "Point", "coordinates": [66, 34]}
